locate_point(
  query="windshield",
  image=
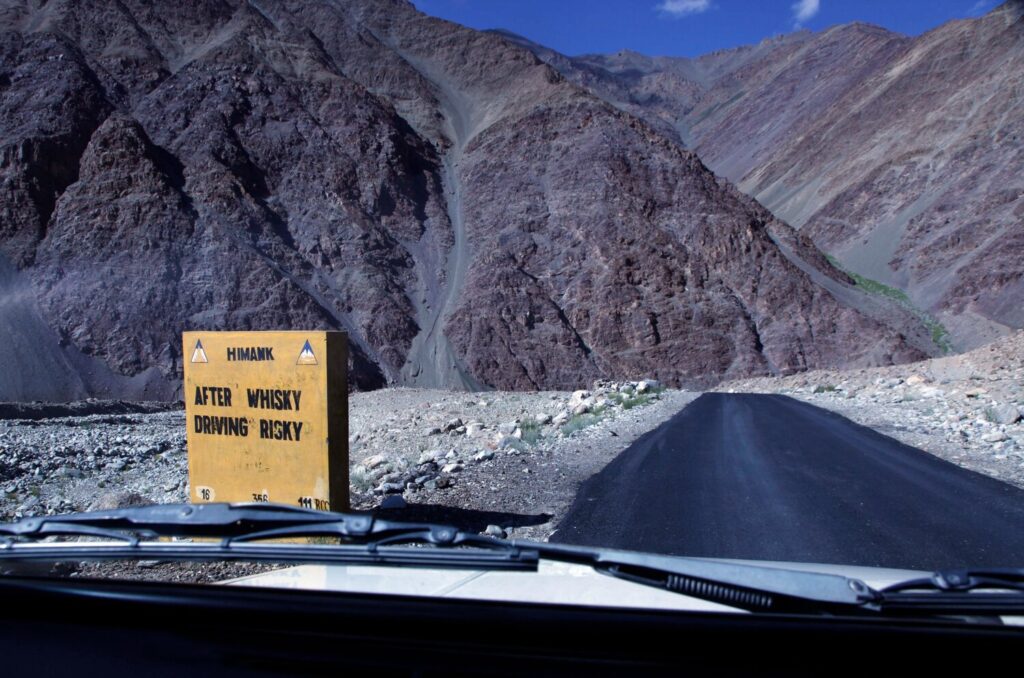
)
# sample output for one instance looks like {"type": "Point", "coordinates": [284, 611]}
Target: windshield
{"type": "Point", "coordinates": [725, 280]}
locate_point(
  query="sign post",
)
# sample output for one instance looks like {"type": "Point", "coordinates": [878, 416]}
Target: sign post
{"type": "Point", "coordinates": [267, 417]}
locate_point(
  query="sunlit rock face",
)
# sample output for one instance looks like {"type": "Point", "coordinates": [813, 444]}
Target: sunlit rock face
{"type": "Point", "coordinates": [469, 216]}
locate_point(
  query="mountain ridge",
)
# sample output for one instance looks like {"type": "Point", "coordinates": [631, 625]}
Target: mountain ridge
{"type": "Point", "coordinates": [882, 148]}
{"type": "Point", "coordinates": [470, 217]}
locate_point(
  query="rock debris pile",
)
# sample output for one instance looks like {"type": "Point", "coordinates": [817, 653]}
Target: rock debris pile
{"type": "Point", "coordinates": [428, 447]}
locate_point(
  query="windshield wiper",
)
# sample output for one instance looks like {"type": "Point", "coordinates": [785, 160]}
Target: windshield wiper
{"type": "Point", "coordinates": [365, 538]}
{"type": "Point", "coordinates": [958, 592]}
{"type": "Point", "coordinates": [234, 530]}
{"type": "Point", "coordinates": [241, 532]}
{"type": "Point", "coordinates": [234, 523]}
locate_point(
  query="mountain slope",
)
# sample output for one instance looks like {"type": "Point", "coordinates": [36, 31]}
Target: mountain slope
{"type": "Point", "coordinates": [469, 217]}
{"type": "Point", "coordinates": [902, 157]}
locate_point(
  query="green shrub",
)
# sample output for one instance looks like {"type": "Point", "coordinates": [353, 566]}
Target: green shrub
{"type": "Point", "coordinates": [629, 400]}
{"type": "Point", "coordinates": [579, 422]}
{"type": "Point", "coordinates": [531, 431]}
{"type": "Point", "coordinates": [939, 334]}
{"type": "Point", "coordinates": [360, 479]}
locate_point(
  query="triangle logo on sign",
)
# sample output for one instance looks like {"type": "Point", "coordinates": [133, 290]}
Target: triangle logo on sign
{"type": "Point", "coordinates": [199, 355]}
{"type": "Point", "coordinates": [306, 356]}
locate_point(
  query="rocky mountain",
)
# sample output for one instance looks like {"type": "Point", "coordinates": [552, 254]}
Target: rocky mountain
{"type": "Point", "coordinates": [470, 217]}
{"type": "Point", "coordinates": [902, 157]}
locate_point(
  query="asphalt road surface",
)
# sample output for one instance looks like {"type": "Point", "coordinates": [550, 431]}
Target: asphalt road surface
{"type": "Point", "coordinates": [767, 477]}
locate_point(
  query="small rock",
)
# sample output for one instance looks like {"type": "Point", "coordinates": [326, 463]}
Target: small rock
{"type": "Point", "coordinates": [577, 397]}
{"type": "Point", "coordinates": [451, 425]}
{"type": "Point", "coordinates": [451, 468]}
{"type": "Point", "coordinates": [389, 488]}
{"type": "Point", "coordinates": [506, 441]}
{"type": "Point", "coordinates": [543, 419]}
{"type": "Point", "coordinates": [72, 472]}
{"type": "Point", "coordinates": [426, 458]}
{"type": "Point", "coordinates": [507, 428]}
{"type": "Point", "coordinates": [495, 531]}
{"type": "Point", "coordinates": [374, 461]}
{"type": "Point", "coordinates": [995, 437]}
{"type": "Point", "coordinates": [395, 501]}
{"type": "Point", "coordinates": [1004, 414]}
{"type": "Point", "coordinates": [118, 499]}
{"type": "Point", "coordinates": [483, 455]}
{"type": "Point", "coordinates": [474, 427]}
{"type": "Point", "coordinates": [380, 471]}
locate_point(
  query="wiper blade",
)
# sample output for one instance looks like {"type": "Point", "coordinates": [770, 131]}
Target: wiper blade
{"type": "Point", "coordinates": [958, 592]}
{"type": "Point", "coordinates": [361, 538]}
{"type": "Point", "coordinates": [963, 581]}
{"type": "Point", "coordinates": [237, 523]}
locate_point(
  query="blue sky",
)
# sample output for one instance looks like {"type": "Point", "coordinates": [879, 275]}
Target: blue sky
{"type": "Point", "coordinates": [688, 27]}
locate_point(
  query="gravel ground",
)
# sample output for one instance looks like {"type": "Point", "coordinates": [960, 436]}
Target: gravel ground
{"type": "Point", "coordinates": [523, 488]}
{"type": "Point", "coordinates": [505, 462]}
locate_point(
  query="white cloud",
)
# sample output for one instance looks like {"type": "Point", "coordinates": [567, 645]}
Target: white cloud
{"type": "Point", "coordinates": [680, 8]}
{"type": "Point", "coordinates": [980, 7]}
{"type": "Point", "coordinates": [804, 10]}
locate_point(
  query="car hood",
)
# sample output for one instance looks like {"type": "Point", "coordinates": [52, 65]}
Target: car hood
{"type": "Point", "coordinates": [553, 582]}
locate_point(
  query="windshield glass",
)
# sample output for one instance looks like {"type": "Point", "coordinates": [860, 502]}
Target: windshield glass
{"type": "Point", "coordinates": [731, 280]}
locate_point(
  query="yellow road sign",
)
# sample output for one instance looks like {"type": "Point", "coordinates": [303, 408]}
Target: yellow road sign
{"type": "Point", "coordinates": [267, 417]}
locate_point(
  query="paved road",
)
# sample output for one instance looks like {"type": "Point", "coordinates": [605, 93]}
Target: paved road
{"type": "Point", "coordinates": [771, 478]}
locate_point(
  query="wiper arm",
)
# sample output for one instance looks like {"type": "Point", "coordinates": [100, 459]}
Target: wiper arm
{"type": "Point", "coordinates": [755, 588]}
